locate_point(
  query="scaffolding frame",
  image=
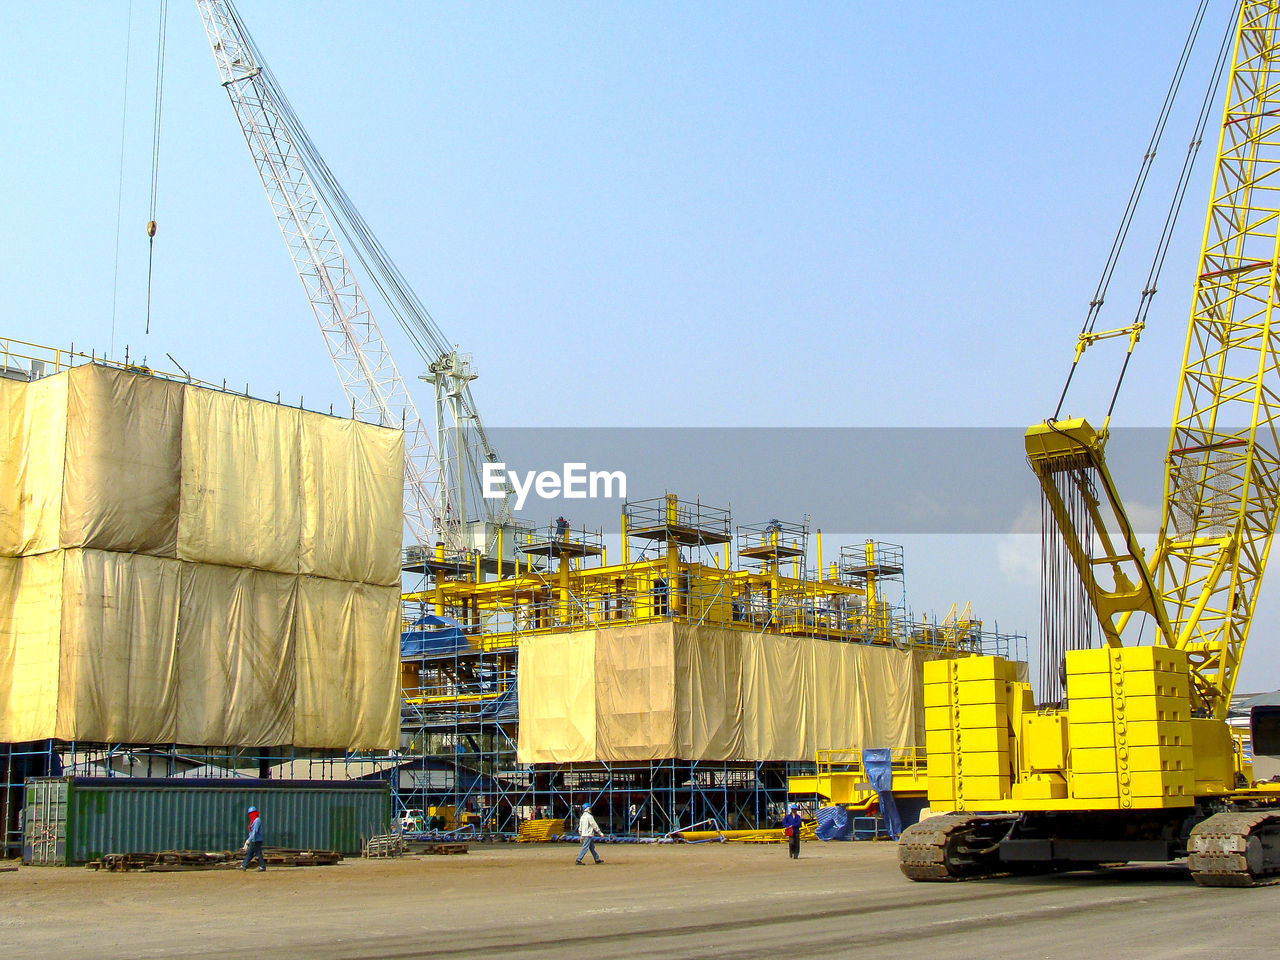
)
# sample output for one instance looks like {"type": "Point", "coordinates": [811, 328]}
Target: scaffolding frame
{"type": "Point", "coordinates": [677, 565]}
{"type": "Point", "coordinates": [457, 766]}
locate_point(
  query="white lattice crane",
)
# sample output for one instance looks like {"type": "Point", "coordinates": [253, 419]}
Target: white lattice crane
{"type": "Point", "coordinates": [308, 203]}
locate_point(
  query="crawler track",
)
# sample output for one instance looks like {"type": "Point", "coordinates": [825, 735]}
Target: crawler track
{"type": "Point", "coordinates": [1236, 849]}
{"type": "Point", "coordinates": [953, 847]}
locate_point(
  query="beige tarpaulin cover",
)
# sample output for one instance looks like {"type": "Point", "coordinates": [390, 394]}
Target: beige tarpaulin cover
{"type": "Point", "coordinates": [347, 634]}
{"type": "Point", "coordinates": [708, 692]}
{"type": "Point", "coordinates": [90, 458]}
{"type": "Point", "coordinates": [117, 667]}
{"type": "Point", "coordinates": [635, 695]}
{"type": "Point", "coordinates": [13, 393]}
{"type": "Point", "coordinates": [127, 648]}
{"type": "Point", "coordinates": [114, 460]}
{"type": "Point", "coordinates": [30, 624]}
{"type": "Point", "coordinates": [126, 642]}
{"type": "Point", "coordinates": [778, 698]}
{"type": "Point", "coordinates": [31, 472]}
{"type": "Point", "coordinates": [240, 502]}
{"type": "Point", "coordinates": [731, 695]}
{"type": "Point", "coordinates": [124, 448]}
{"type": "Point", "coordinates": [556, 683]}
{"type": "Point", "coordinates": [325, 483]}
{"type": "Point", "coordinates": [350, 472]}
{"type": "Point", "coordinates": [236, 669]}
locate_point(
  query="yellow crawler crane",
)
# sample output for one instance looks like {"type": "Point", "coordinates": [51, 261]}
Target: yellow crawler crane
{"type": "Point", "coordinates": [1137, 762]}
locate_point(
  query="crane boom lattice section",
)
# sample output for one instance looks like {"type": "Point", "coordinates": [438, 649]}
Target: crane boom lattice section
{"type": "Point", "coordinates": [364, 363]}
{"type": "Point", "coordinates": [1222, 480]}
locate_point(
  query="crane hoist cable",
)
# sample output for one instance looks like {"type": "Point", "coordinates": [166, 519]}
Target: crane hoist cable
{"type": "Point", "coordinates": [1135, 196]}
{"type": "Point", "coordinates": [124, 123]}
{"type": "Point", "coordinates": [1067, 616]}
{"type": "Point", "coordinates": [155, 149]}
{"type": "Point", "coordinates": [1175, 208]}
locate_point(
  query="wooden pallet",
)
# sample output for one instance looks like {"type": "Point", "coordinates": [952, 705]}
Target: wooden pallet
{"type": "Point", "coordinates": [445, 849]}
{"type": "Point", "coordinates": [180, 861]}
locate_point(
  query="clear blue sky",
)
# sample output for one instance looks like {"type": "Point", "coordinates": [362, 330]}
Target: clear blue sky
{"type": "Point", "coordinates": [711, 214]}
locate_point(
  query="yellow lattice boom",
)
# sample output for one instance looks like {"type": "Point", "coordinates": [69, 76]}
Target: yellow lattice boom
{"type": "Point", "coordinates": [1220, 495]}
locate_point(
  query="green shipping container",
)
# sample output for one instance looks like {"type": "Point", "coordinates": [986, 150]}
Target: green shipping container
{"type": "Point", "coordinates": [71, 820]}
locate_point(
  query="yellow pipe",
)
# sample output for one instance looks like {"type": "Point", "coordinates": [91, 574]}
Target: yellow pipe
{"type": "Point", "coordinates": [500, 529]}
{"type": "Point", "coordinates": [819, 556]}
{"type": "Point", "coordinates": [626, 547]}
{"type": "Point", "coordinates": [454, 698]}
{"type": "Point", "coordinates": [438, 606]}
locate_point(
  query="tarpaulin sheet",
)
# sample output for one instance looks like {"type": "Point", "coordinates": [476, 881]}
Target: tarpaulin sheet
{"type": "Point", "coordinates": [778, 698]}
{"type": "Point", "coordinates": [801, 695]}
{"type": "Point", "coordinates": [351, 474]}
{"type": "Point", "coordinates": [32, 470]}
{"type": "Point", "coordinates": [112, 647]}
{"type": "Point", "coordinates": [556, 684]}
{"type": "Point", "coordinates": [110, 459]}
{"type": "Point", "coordinates": [708, 692]}
{"type": "Point", "coordinates": [834, 823]}
{"type": "Point", "coordinates": [635, 694]}
{"type": "Point", "coordinates": [117, 669]}
{"type": "Point", "coordinates": [123, 452]}
{"type": "Point", "coordinates": [240, 503]}
{"type": "Point", "coordinates": [348, 657]}
{"type": "Point", "coordinates": [236, 657]}
{"type": "Point", "coordinates": [30, 602]}
{"type": "Point", "coordinates": [13, 395]}
{"type": "Point", "coordinates": [107, 477]}
{"type": "Point", "coordinates": [9, 567]}
{"type": "Point", "coordinates": [735, 695]}
{"type": "Point", "coordinates": [889, 696]}
{"type": "Point", "coordinates": [878, 763]}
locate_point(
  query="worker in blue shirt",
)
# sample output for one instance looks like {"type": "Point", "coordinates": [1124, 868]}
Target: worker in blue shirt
{"type": "Point", "coordinates": [791, 828]}
{"type": "Point", "coordinates": [253, 843]}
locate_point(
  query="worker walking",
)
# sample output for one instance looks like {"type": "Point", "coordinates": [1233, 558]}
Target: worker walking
{"type": "Point", "coordinates": [588, 830]}
{"type": "Point", "coordinates": [253, 843]}
{"type": "Point", "coordinates": [791, 828]}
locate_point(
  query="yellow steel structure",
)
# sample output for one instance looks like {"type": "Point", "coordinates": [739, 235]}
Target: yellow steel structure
{"type": "Point", "coordinates": [840, 777]}
{"type": "Point", "coordinates": [1140, 763]}
{"type": "Point", "coordinates": [562, 582]}
{"type": "Point", "coordinates": [574, 589]}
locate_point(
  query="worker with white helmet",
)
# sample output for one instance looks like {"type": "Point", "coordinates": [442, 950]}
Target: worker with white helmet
{"type": "Point", "coordinates": [588, 830]}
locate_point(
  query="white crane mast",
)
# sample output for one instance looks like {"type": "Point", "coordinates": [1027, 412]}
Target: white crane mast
{"type": "Point", "coordinates": [365, 366]}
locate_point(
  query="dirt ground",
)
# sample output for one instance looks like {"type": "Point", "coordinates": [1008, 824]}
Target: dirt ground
{"type": "Point", "coordinates": [670, 901]}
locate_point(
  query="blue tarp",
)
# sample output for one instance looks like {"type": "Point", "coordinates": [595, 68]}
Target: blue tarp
{"type": "Point", "coordinates": [834, 823]}
{"type": "Point", "coordinates": [879, 767]}
{"type": "Point", "coordinates": [431, 634]}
